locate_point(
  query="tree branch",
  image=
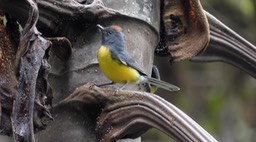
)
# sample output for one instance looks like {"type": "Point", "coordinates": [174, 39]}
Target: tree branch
{"type": "Point", "coordinates": [227, 46]}
{"type": "Point", "coordinates": [29, 59]}
{"type": "Point", "coordinates": [54, 13]}
{"type": "Point", "coordinates": [128, 114]}
{"type": "Point", "coordinates": [184, 29]}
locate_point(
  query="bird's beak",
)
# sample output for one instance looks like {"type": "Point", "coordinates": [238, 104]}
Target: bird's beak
{"type": "Point", "coordinates": [100, 27]}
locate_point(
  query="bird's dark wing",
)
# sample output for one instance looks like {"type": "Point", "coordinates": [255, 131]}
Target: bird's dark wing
{"type": "Point", "coordinates": [125, 58]}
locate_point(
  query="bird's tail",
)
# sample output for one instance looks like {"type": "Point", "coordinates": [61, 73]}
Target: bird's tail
{"type": "Point", "coordinates": [161, 84]}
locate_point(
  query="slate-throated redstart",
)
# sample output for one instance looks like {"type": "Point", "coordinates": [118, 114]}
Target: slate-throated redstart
{"type": "Point", "coordinates": [117, 64]}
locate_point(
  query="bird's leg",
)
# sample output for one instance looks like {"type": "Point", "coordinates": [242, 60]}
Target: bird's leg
{"type": "Point", "coordinates": [111, 83]}
{"type": "Point", "coordinates": [105, 84]}
{"type": "Point", "coordinates": [121, 88]}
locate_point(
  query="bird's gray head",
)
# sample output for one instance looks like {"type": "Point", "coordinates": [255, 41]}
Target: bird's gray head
{"type": "Point", "coordinates": [112, 36]}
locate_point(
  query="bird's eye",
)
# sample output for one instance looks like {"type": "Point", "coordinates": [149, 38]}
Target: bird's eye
{"type": "Point", "coordinates": [109, 32]}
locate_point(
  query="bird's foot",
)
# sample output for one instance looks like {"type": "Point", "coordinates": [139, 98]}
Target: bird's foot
{"type": "Point", "coordinates": [105, 84]}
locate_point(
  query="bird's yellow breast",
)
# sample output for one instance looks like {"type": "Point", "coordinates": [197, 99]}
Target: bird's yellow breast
{"type": "Point", "coordinates": [114, 70]}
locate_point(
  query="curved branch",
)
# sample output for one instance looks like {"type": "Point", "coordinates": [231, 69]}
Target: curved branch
{"type": "Point", "coordinates": [227, 46]}
{"type": "Point", "coordinates": [29, 59]}
{"type": "Point", "coordinates": [53, 13]}
{"type": "Point", "coordinates": [128, 114]}
{"type": "Point", "coordinates": [184, 29]}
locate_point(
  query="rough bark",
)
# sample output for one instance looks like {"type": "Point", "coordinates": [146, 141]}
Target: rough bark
{"type": "Point", "coordinates": [29, 60]}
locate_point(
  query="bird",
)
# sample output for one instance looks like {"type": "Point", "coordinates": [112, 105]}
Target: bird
{"type": "Point", "coordinates": [118, 65]}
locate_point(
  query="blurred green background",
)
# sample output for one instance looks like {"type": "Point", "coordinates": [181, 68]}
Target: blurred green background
{"type": "Point", "coordinates": [218, 96]}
